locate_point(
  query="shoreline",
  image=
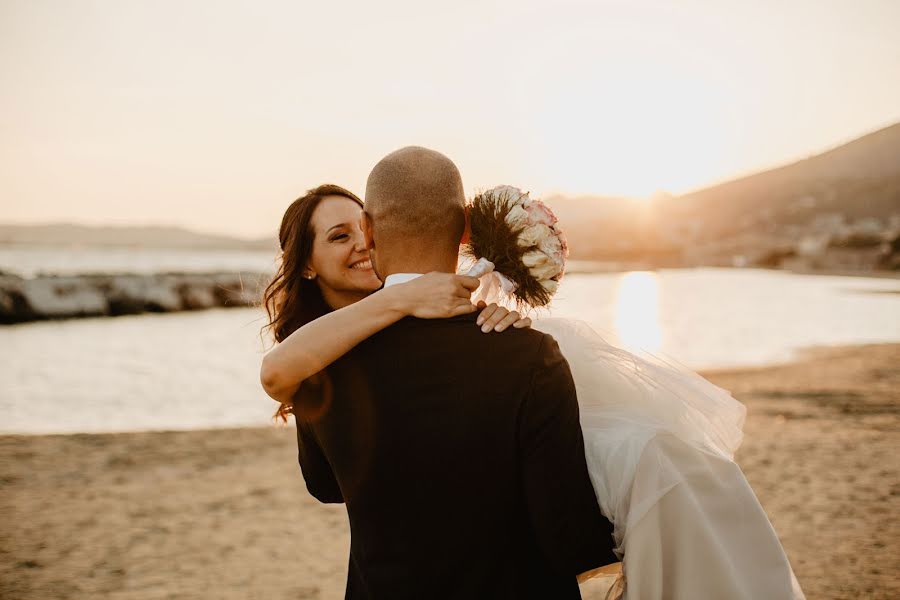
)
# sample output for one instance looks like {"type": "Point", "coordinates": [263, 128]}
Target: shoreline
{"type": "Point", "coordinates": [800, 354]}
{"type": "Point", "coordinates": [63, 297]}
{"type": "Point", "coordinates": [224, 512]}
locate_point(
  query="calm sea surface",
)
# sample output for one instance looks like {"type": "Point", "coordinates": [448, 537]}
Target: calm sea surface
{"type": "Point", "coordinates": [29, 261]}
{"type": "Point", "coordinates": [200, 369]}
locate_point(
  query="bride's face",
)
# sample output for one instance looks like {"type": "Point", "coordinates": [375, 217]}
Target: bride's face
{"type": "Point", "coordinates": [339, 257]}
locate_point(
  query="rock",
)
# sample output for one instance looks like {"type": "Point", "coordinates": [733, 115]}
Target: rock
{"type": "Point", "coordinates": [13, 306]}
{"type": "Point", "coordinates": [56, 297]}
{"type": "Point", "coordinates": [132, 294]}
{"type": "Point", "coordinates": [52, 297]}
{"type": "Point", "coordinates": [125, 295]}
{"type": "Point", "coordinates": [162, 296]}
{"type": "Point", "coordinates": [198, 298]}
{"type": "Point", "coordinates": [240, 289]}
{"type": "Point", "coordinates": [197, 292]}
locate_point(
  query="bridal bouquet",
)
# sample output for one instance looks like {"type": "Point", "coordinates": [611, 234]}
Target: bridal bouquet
{"type": "Point", "coordinates": [519, 235]}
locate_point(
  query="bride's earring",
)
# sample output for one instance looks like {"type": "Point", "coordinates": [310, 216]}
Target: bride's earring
{"type": "Point", "coordinates": [309, 276]}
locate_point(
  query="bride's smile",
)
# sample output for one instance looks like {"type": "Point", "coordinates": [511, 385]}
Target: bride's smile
{"type": "Point", "coordinates": [339, 261]}
{"type": "Point", "coordinates": [362, 265]}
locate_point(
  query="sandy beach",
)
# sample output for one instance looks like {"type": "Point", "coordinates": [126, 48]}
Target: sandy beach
{"type": "Point", "coordinates": [224, 514]}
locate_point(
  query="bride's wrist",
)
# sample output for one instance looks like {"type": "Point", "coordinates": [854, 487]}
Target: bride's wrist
{"type": "Point", "coordinates": [395, 301]}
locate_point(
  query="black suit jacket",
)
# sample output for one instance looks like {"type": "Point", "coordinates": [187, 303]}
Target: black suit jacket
{"type": "Point", "coordinates": [460, 458]}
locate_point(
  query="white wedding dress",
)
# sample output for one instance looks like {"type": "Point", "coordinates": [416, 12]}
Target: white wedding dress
{"type": "Point", "coordinates": [660, 441]}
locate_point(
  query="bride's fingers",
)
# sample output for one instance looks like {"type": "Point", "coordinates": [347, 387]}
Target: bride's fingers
{"type": "Point", "coordinates": [481, 304]}
{"type": "Point", "coordinates": [508, 320]}
{"type": "Point", "coordinates": [469, 284]}
{"type": "Point", "coordinates": [522, 323]}
{"type": "Point", "coordinates": [463, 309]}
{"type": "Point", "coordinates": [490, 324]}
{"type": "Point", "coordinates": [485, 315]}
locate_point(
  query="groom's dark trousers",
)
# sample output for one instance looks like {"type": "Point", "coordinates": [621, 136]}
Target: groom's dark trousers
{"type": "Point", "coordinates": [460, 458]}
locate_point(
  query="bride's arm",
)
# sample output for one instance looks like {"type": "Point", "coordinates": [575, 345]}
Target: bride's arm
{"type": "Point", "coordinates": [319, 343]}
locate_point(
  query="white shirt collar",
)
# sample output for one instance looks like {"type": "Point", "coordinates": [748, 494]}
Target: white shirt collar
{"type": "Point", "coordinates": [400, 278]}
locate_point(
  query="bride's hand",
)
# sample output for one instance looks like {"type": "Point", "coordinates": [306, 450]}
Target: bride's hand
{"type": "Point", "coordinates": [444, 295]}
{"type": "Point", "coordinates": [498, 318]}
{"type": "Point", "coordinates": [435, 295]}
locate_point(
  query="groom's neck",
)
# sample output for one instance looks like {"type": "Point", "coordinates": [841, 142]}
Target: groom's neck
{"type": "Point", "coordinates": [416, 262]}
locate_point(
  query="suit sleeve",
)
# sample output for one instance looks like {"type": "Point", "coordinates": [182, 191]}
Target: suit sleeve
{"type": "Point", "coordinates": [317, 472]}
{"type": "Point", "coordinates": [573, 533]}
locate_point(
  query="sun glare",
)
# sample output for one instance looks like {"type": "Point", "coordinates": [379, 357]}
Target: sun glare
{"type": "Point", "coordinates": [637, 317]}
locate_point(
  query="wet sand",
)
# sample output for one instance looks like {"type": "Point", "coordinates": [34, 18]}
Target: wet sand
{"type": "Point", "coordinates": [224, 514]}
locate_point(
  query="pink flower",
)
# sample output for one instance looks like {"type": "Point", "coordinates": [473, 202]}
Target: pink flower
{"type": "Point", "coordinates": [563, 242]}
{"type": "Point", "coordinates": [538, 212]}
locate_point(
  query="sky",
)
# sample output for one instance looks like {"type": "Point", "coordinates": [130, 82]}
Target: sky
{"type": "Point", "coordinates": [215, 115]}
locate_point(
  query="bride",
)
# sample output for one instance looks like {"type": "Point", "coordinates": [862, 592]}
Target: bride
{"type": "Point", "coordinates": [659, 439]}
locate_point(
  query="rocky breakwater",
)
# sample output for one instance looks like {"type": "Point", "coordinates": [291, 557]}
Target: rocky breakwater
{"type": "Point", "coordinates": [71, 296]}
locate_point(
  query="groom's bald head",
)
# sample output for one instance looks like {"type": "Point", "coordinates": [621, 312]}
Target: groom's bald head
{"type": "Point", "coordinates": [415, 196]}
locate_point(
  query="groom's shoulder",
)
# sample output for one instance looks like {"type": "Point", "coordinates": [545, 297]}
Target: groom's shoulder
{"type": "Point", "coordinates": [519, 344]}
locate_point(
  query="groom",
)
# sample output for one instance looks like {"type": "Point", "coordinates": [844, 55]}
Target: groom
{"type": "Point", "coordinates": [459, 455]}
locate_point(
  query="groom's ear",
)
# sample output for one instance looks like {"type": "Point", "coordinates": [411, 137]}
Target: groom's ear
{"type": "Point", "coordinates": [365, 223]}
{"type": "Point", "coordinates": [467, 231]}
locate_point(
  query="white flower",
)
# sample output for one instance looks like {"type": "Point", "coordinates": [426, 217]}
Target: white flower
{"type": "Point", "coordinates": [517, 217]}
{"type": "Point", "coordinates": [512, 195]}
{"type": "Point", "coordinates": [533, 258]}
{"type": "Point", "coordinates": [534, 234]}
{"type": "Point", "coordinates": [551, 285]}
{"type": "Point", "coordinates": [540, 265]}
{"type": "Point", "coordinates": [551, 246]}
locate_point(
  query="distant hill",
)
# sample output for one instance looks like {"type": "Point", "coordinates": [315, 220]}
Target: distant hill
{"type": "Point", "coordinates": [598, 226]}
{"type": "Point", "coordinates": [859, 179]}
{"type": "Point", "coordinates": [128, 236]}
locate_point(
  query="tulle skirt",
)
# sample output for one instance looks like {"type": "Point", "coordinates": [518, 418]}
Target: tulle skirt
{"type": "Point", "coordinates": [660, 442]}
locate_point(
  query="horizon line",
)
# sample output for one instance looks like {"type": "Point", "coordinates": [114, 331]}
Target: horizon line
{"type": "Point", "coordinates": [547, 193]}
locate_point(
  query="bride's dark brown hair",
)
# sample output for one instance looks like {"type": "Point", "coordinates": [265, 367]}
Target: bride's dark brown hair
{"type": "Point", "coordinates": [291, 300]}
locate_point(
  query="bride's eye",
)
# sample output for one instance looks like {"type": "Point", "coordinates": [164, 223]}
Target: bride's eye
{"type": "Point", "coordinates": [339, 236]}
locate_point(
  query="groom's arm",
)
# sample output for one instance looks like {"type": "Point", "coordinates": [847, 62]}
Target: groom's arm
{"type": "Point", "coordinates": [572, 531]}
